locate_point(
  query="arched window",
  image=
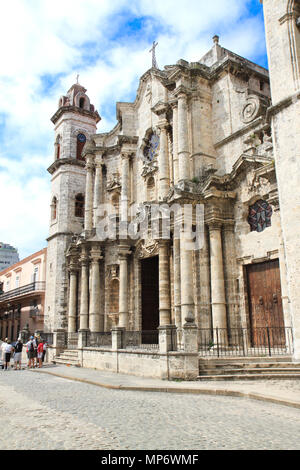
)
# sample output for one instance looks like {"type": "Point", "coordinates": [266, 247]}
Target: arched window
{"type": "Point", "coordinates": [79, 205]}
{"type": "Point", "coordinates": [81, 103]}
{"type": "Point", "coordinates": [81, 140]}
{"type": "Point", "coordinates": [57, 149]}
{"type": "Point", "coordinates": [260, 216]}
{"type": "Point", "coordinates": [151, 149]}
{"type": "Point", "coordinates": [54, 208]}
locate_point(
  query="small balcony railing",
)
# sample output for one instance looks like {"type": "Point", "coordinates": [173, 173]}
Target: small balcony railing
{"type": "Point", "coordinates": [32, 287]}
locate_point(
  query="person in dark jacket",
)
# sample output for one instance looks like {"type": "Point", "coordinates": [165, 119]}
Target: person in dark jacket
{"type": "Point", "coordinates": [18, 354]}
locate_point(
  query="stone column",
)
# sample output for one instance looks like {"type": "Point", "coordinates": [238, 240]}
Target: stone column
{"type": "Point", "coordinates": [88, 212]}
{"type": "Point", "coordinates": [72, 298]}
{"type": "Point", "coordinates": [125, 157]}
{"type": "Point", "coordinates": [164, 283]}
{"type": "Point", "coordinates": [123, 286]}
{"type": "Point", "coordinates": [177, 282]}
{"type": "Point", "coordinates": [84, 298]}
{"type": "Point", "coordinates": [96, 322]}
{"type": "Point", "coordinates": [175, 142]}
{"type": "Point", "coordinates": [183, 142]}
{"type": "Point", "coordinates": [218, 301]}
{"type": "Point", "coordinates": [97, 187]}
{"type": "Point", "coordinates": [186, 275]}
{"type": "Point", "coordinates": [163, 160]}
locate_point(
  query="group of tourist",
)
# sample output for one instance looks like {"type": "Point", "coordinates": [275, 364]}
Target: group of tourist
{"type": "Point", "coordinates": [36, 349]}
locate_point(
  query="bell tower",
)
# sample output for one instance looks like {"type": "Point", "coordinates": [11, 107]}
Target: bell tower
{"type": "Point", "coordinates": [282, 24]}
{"type": "Point", "coordinates": [75, 121]}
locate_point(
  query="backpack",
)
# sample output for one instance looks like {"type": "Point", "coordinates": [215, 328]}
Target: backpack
{"type": "Point", "coordinates": [18, 347]}
{"type": "Point", "coordinates": [31, 347]}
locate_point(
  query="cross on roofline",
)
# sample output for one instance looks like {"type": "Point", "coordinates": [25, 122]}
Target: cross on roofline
{"type": "Point", "coordinates": [154, 63]}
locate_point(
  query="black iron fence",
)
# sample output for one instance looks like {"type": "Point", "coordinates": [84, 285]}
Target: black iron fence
{"type": "Point", "coordinates": [268, 341]}
{"type": "Point", "coordinates": [97, 340]}
{"type": "Point", "coordinates": [47, 337]}
{"type": "Point", "coordinates": [72, 340]}
{"type": "Point", "coordinates": [140, 339]}
{"type": "Point", "coordinates": [218, 342]}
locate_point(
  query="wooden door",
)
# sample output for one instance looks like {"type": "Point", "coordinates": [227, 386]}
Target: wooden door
{"type": "Point", "coordinates": [150, 297]}
{"type": "Point", "coordinates": [265, 304]}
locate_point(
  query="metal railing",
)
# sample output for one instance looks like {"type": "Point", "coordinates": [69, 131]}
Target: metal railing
{"type": "Point", "coordinates": [267, 341]}
{"type": "Point", "coordinates": [141, 340]}
{"type": "Point", "coordinates": [33, 286]}
{"type": "Point", "coordinates": [72, 340]}
{"type": "Point", "coordinates": [47, 337]}
{"type": "Point", "coordinates": [97, 340]}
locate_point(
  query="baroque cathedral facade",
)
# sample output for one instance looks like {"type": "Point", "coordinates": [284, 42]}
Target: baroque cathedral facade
{"type": "Point", "coordinates": [221, 134]}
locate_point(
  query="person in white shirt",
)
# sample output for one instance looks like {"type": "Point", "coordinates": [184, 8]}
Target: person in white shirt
{"type": "Point", "coordinates": [8, 350]}
{"type": "Point", "coordinates": [3, 346]}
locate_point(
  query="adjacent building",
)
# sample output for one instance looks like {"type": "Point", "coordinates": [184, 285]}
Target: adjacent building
{"type": "Point", "coordinates": [8, 255]}
{"type": "Point", "coordinates": [22, 296]}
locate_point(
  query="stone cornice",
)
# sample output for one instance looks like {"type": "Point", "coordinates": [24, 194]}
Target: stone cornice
{"type": "Point", "coordinates": [244, 162]}
{"type": "Point", "coordinates": [127, 139]}
{"type": "Point", "coordinates": [74, 109]}
{"type": "Point", "coordinates": [59, 234]}
{"type": "Point", "coordinates": [276, 108]}
{"type": "Point", "coordinates": [257, 122]}
{"type": "Point", "coordinates": [64, 161]}
{"type": "Point", "coordinates": [160, 108]}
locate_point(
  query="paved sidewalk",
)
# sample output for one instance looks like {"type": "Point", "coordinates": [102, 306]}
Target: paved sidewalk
{"type": "Point", "coordinates": [283, 392]}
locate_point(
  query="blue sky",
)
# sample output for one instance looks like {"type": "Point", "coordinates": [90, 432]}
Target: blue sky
{"type": "Point", "coordinates": [47, 42]}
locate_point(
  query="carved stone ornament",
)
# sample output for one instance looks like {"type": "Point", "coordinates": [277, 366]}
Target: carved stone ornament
{"type": "Point", "coordinates": [256, 182]}
{"type": "Point", "coordinates": [147, 248]}
{"type": "Point", "coordinates": [112, 271]}
{"type": "Point", "coordinates": [149, 168]}
{"type": "Point", "coordinates": [114, 184]}
{"type": "Point", "coordinates": [251, 109]}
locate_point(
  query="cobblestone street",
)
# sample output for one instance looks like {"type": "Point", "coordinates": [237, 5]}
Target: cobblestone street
{"type": "Point", "coordinates": [52, 413]}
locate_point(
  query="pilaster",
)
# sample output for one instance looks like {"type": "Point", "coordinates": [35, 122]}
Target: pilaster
{"type": "Point", "coordinates": [123, 286]}
{"type": "Point", "coordinates": [88, 213]}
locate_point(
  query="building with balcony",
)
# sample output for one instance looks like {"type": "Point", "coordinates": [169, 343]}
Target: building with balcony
{"type": "Point", "coordinates": [22, 295]}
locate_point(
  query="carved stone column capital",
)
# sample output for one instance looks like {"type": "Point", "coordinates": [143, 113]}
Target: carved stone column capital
{"type": "Point", "coordinates": [214, 224]}
{"type": "Point", "coordinates": [95, 254]}
{"type": "Point", "coordinates": [162, 124]}
{"type": "Point", "coordinates": [89, 159]}
{"type": "Point", "coordinates": [124, 252]}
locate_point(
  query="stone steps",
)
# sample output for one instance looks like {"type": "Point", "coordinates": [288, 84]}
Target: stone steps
{"type": "Point", "coordinates": [69, 357]}
{"type": "Point", "coordinates": [248, 369]}
{"type": "Point", "coordinates": [229, 377]}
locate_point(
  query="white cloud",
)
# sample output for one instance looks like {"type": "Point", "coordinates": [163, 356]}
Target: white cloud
{"type": "Point", "coordinates": [53, 40]}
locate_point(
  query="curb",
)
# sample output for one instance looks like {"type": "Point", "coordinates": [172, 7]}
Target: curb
{"type": "Point", "coordinates": [220, 392]}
